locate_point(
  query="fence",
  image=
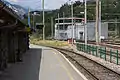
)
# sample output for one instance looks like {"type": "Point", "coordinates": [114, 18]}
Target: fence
{"type": "Point", "coordinates": [99, 51]}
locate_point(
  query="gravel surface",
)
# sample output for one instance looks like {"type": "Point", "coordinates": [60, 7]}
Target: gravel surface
{"type": "Point", "coordinates": [81, 69]}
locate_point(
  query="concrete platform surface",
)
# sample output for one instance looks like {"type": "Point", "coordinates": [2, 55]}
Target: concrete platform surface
{"type": "Point", "coordinates": [41, 63]}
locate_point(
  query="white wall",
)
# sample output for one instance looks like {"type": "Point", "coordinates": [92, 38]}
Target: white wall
{"type": "Point", "coordinates": [80, 28]}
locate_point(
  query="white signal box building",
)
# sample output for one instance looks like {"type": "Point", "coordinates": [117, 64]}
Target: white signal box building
{"type": "Point", "coordinates": [64, 29]}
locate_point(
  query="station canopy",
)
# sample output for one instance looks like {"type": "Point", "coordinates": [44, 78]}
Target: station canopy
{"type": "Point", "coordinates": [15, 8]}
{"type": "Point", "coordinates": [11, 14]}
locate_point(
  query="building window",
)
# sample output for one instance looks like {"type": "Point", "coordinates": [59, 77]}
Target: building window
{"type": "Point", "coordinates": [56, 21]}
{"type": "Point", "coordinates": [78, 20]}
{"type": "Point", "coordinates": [68, 20]}
{"type": "Point", "coordinates": [62, 27]}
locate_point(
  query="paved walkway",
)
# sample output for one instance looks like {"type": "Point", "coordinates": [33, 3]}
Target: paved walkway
{"type": "Point", "coordinates": [41, 63]}
{"type": "Point", "coordinates": [27, 70]}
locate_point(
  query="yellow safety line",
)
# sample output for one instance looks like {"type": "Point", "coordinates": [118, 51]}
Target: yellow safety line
{"type": "Point", "coordinates": [68, 73]}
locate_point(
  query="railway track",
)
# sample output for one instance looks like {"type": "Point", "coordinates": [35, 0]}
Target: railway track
{"type": "Point", "coordinates": [114, 46]}
{"type": "Point", "coordinates": [91, 69]}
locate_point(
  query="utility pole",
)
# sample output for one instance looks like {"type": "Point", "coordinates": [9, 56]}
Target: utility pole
{"type": "Point", "coordinates": [72, 21]}
{"type": "Point", "coordinates": [43, 20]}
{"type": "Point", "coordinates": [52, 27]}
{"type": "Point", "coordinates": [85, 22]}
{"type": "Point", "coordinates": [58, 27]}
{"type": "Point", "coordinates": [33, 21]}
{"type": "Point", "coordinates": [100, 21]}
{"type": "Point", "coordinates": [116, 29]}
{"type": "Point", "coordinates": [29, 20]}
{"type": "Point", "coordinates": [63, 20]}
{"type": "Point", "coordinates": [97, 21]}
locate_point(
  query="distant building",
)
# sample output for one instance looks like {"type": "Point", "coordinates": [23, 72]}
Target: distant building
{"type": "Point", "coordinates": [63, 29]}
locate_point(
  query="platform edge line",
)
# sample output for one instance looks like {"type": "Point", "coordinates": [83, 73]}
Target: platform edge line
{"type": "Point", "coordinates": [73, 66]}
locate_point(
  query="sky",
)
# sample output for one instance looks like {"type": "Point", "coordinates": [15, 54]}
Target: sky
{"type": "Point", "coordinates": [36, 4]}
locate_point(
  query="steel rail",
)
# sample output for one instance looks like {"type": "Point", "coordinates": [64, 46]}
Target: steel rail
{"type": "Point", "coordinates": [87, 71]}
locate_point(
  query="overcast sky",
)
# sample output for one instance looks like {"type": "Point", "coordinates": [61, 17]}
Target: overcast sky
{"type": "Point", "coordinates": [36, 4]}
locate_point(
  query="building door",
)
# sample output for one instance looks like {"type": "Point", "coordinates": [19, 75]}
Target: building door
{"type": "Point", "coordinates": [81, 35]}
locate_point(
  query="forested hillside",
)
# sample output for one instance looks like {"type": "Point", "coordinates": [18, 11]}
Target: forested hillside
{"type": "Point", "coordinates": [110, 11]}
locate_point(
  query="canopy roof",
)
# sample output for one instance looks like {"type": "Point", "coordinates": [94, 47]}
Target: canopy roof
{"type": "Point", "coordinates": [8, 14]}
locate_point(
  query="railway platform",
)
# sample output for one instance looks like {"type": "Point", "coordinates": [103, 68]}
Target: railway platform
{"type": "Point", "coordinates": [42, 63]}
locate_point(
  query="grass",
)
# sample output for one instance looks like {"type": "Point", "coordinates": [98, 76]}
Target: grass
{"type": "Point", "coordinates": [53, 43]}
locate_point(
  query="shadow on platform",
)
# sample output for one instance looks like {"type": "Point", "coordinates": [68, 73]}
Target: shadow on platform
{"type": "Point", "coordinates": [27, 70]}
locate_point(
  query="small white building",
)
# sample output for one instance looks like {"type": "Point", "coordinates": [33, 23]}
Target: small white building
{"type": "Point", "coordinates": [64, 29]}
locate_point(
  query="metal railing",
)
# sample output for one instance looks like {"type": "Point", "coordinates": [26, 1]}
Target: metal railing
{"type": "Point", "coordinates": [99, 51]}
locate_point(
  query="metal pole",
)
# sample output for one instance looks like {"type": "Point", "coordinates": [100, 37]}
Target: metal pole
{"type": "Point", "coordinates": [29, 20]}
{"type": "Point", "coordinates": [63, 21]}
{"type": "Point", "coordinates": [116, 29]}
{"type": "Point", "coordinates": [72, 21]}
{"type": "Point", "coordinates": [85, 22]}
{"type": "Point", "coordinates": [33, 21]}
{"type": "Point", "coordinates": [52, 27]}
{"type": "Point", "coordinates": [97, 21]}
{"type": "Point", "coordinates": [43, 20]}
{"type": "Point", "coordinates": [100, 21]}
{"type": "Point", "coordinates": [58, 27]}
